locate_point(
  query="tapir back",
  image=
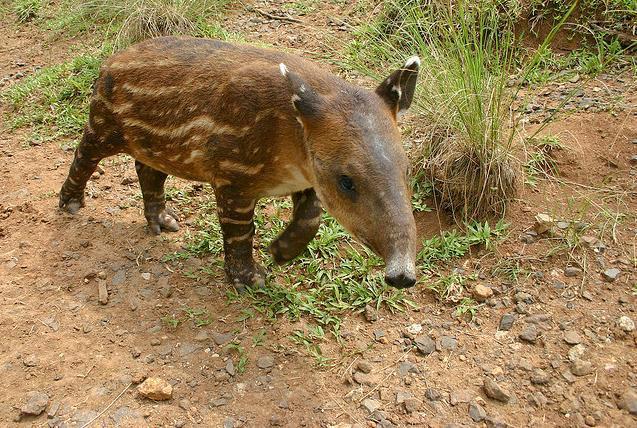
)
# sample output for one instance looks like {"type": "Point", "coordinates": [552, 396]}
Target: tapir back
{"type": "Point", "coordinates": [207, 110]}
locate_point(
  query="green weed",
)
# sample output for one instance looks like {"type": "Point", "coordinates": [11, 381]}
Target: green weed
{"type": "Point", "coordinates": [129, 21]}
{"type": "Point", "coordinates": [171, 321]}
{"type": "Point", "coordinates": [54, 100]}
{"type": "Point", "coordinates": [26, 10]}
{"type": "Point", "coordinates": [199, 317]}
{"type": "Point", "coordinates": [541, 161]}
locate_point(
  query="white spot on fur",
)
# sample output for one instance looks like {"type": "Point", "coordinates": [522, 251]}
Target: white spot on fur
{"type": "Point", "coordinates": [302, 88]}
{"type": "Point", "coordinates": [194, 155]}
{"type": "Point", "coordinates": [397, 89]}
{"type": "Point", "coordinates": [204, 122]}
{"type": "Point", "coordinates": [295, 98]}
{"type": "Point", "coordinates": [411, 61]}
{"type": "Point", "coordinates": [236, 167]}
{"type": "Point", "coordinates": [295, 181]}
{"type": "Point", "coordinates": [284, 70]}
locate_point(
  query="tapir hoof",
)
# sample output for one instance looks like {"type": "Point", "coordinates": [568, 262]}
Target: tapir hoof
{"type": "Point", "coordinates": [70, 204]}
{"type": "Point", "coordinates": [252, 278]}
{"type": "Point", "coordinates": [283, 250]}
{"type": "Point", "coordinates": [164, 220]}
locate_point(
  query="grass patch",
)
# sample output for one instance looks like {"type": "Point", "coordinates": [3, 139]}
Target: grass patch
{"type": "Point", "coordinates": [54, 100]}
{"type": "Point", "coordinates": [541, 161]}
{"type": "Point", "coordinates": [26, 10]}
{"type": "Point", "coordinates": [129, 21]}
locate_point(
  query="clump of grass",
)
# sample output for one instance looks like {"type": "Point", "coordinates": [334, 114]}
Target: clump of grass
{"type": "Point", "coordinates": [467, 56]}
{"type": "Point", "coordinates": [54, 100]}
{"type": "Point", "coordinates": [465, 94]}
{"type": "Point", "coordinates": [136, 20]}
{"type": "Point", "coordinates": [26, 10]}
{"type": "Point", "coordinates": [541, 162]}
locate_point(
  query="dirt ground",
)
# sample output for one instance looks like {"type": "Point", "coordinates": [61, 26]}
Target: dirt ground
{"type": "Point", "coordinates": [59, 340]}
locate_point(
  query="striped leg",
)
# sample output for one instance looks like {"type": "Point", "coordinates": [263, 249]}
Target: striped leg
{"type": "Point", "coordinates": [87, 155]}
{"type": "Point", "coordinates": [301, 230]}
{"type": "Point", "coordinates": [157, 215]}
{"type": "Point", "coordinates": [237, 227]}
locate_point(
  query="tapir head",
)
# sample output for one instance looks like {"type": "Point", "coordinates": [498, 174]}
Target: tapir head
{"type": "Point", "coordinates": [359, 164]}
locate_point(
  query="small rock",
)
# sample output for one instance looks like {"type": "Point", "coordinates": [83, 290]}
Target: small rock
{"type": "Point", "coordinates": [53, 409]}
{"type": "Point", "coordinates": [581, 368]}
{"type": "Point", "coordinates": [476, 412]}
{"type": "Point", "coordinates": [365, 379]}
{"type": "Point", "coordinates": [494, 391]}
{"type": "Point", "coordinates": [633, 160]}
{"type": "Point", "coordinates": [590, 421]}
{"type": "Point", "coordinates": [371, 405]}
{"type": "Point", "coordinates": [540, 377]}
{"type": "Point", "coordinates": [202, 336]}
{"type": "Point", "coordinates": [629, 401]}
{"type": "Point", "coordinates": [30, 360]}
{"type": "Point", "coordinates": [135, 352]}
{"type": "Point", "coordinates": [576, 352]}
{"type": "Point", "coordinates": [156, 389]}
{"type": "Point", "coordinates": [447, 343]}
{"type": "Point", "coordinates": [371, 314]}
{"type": "Point", "coordinates": [146, 276]}
{"type": "Point", "coordinates": [228, 423]}
{"type": "Point", "coordinates": [626, 324]}
{"type": "Point", "coordinates": [364, 366]}
{"type": "Point", "coordinates": [425, 345]}
{"type": "Point", "coordinates": [543, 223]}
{"type": "Point", "coordinates": [529, 334]}
{"type": "Point", "coordinates": [119, 277]}
{"type": "Point", "coordinates": [265, 362]}
{"type": "Point", "coordinates": [401, 396]}
{"type": "Point", "coordinates": [506, 322]}
{"type": "Point", "coordinates": [482, 292]}
{"type": "Point", "coordinates": [414, 329]}
{"type": "Point", "coordinates": [230, 368]}
{"type": "Point", "coordinates": [35, 403]}
{"type": "Point", "coordinates": [522, 297]}
{"type": "Point", "coordinates": [406, 367]}
{"type": "Point", "coordinates": [432, 394]}
{"type": "Point", "coordinates": [611, 274]}
{"type": "Point", "coordinates": [221, 338]}
{"type": "Point", "coordinates": [102, 292]}
{"type": "Point", "coordinates": [537, 399]}
{"type": "Point", "coordinates": [461, 396]}
{"type": "Point", "coordinates": [572, 337]}
{"type": "Point", "coordinates": [572, 271]}
{"type": "Point", "coordinates": [411, 405]}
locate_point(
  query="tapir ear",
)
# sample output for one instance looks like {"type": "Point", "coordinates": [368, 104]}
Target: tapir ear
{"type": "Point", "coordinates": [304, 99]}
{"type": "Point", "coordinates": [398, 89]}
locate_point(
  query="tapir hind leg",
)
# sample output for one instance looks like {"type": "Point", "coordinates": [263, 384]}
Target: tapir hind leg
{"type": "Point", "coordinates": [158, 216]}
{"type": "Point", "coordinates": [306, 220]}
{"type": "Point", "coordinates": [87, 155]}
{"type": "Point", "coordinates": [237, 226]}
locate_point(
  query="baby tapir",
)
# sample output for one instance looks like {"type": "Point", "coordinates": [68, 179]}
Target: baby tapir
{"type": "Point", "coordinates": [256, 123]}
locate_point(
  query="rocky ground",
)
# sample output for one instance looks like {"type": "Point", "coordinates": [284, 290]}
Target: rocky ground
{"type": "Point", "coordinates": [86, 302]}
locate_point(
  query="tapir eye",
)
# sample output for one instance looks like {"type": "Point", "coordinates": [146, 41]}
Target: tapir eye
{"type": "Point", "coordinates": [346, 184]}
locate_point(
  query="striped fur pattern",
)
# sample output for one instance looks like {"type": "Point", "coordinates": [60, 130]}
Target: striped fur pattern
{"type": "Point", "coordinates": [235, 117]}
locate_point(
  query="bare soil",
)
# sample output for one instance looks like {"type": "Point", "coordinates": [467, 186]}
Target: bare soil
{"type": "Point", "coordinates": [58, 339]}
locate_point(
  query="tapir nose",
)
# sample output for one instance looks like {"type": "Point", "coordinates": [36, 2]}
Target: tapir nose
{"type": "Point", "coordinates": [401, 280]}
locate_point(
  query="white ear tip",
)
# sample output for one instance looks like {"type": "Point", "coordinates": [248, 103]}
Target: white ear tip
{"type": "Point", "coordinates": [284, 69]}
{"type": "Point", "coordinates": [413, 60]}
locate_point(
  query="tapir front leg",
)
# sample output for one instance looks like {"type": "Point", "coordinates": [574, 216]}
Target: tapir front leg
{"type": "Point", "coordinates": [306, 219]}
{"type": "Point", "coordinates": [237, 226]}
